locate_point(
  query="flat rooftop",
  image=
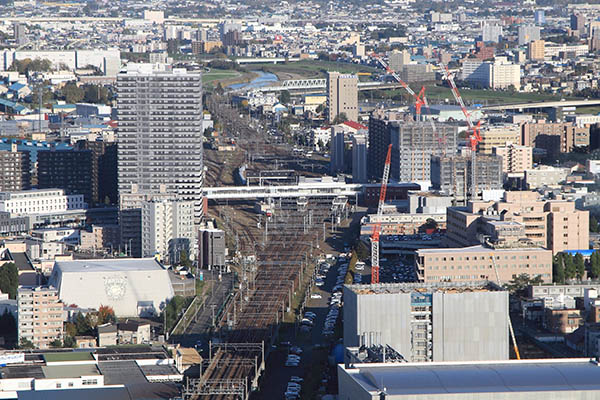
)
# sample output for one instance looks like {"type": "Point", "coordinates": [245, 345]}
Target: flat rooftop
{"type": "Point", "coordinates": [108, 265]}
{"type": "Point", "coordinates": [65, 356]}
{"type": "Point", "coordinates": [70, 371]}
{"type": "Point", "coordinates": [549, 375]}
{"type": "Point", "coordinates": [475, 249]}
{"type": "Point", "coordinates": [445, 287]}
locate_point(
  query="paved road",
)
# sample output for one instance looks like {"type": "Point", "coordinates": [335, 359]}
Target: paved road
{"type": "Point", "coordinates": [198, 330]}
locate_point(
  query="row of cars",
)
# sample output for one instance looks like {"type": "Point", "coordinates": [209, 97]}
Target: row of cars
{"type": "Point", "coordinates": [335, 302]}
{"type": "Point", "coordinates": [294, 387]}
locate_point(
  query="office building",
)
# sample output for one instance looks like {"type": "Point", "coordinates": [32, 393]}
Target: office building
{"type": "Point", "coordinates": [160, 135]}
{"type": "Point", "coordinates": [477, 263]}
{"type": "Point", "coordinates": [130, 217]}
{"type": "Point", "coordinates": [359, 158]}
{"type": "Point", "coordinates": [132, 287]}
{"type": "Point", "coordinates": [342, 96]}
{"type": "Point", "coordinates": [41, 201]}
{"type": "Point", "coordinates": [398, 59]}
{"type": "Point", "coordinates": [498, 136]}
{"type": "Point", "coordinates": [491, 32]}
{"type": "Point", "coordinates": [555, 138]}
{"type": "Point", "coordinates": [74, 171]}
{"type": "Point", "coordinates": [528, 33]}
{"type": "Point", "coordinates": [167, 228]}
{"type": "Point", "coordinates": [413, 144]}
{"type": "Point", "coordinates": [337, 149]}
{"type": "Point", "coordinates": [212, 247]}
{"type": "Point", "coordinates": [429, 322]}
{"type": "Point", "coordinates": [497, 74]}
{"type": "Point", "coordinates": [20, 33]}
{"type": "Point", "coordinates": [453, 175]}
{"type": "Point", "coordinates": [531, 221]}
{"type": "Point", "coordinates": [515, 159]}
{"type": "Point", "coordinates": [380, 128]}
{"type": "Point", "coordinates": [39, 316]}
{"type": "Point", "coordinates": [536, 50]}
{"type": "Point", "coordinates": [539, 17]}
{"type": "Point", "coordinates": [565, 379]}
{"type": "Point", "coordinates": [14, 170]}
{"type": "Point", "coordinates": [545, 175]}
{"type": "Point", "coordinates": [577, 23]}
{"type": "Point", "coordinates": [417, 73]}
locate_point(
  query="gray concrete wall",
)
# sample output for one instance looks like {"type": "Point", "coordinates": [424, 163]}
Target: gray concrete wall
{"type": "Point", "coordinates": [470, 326]}
{"type": "Point", "coordinates": [350, 389]}
{"type": "Point", "coordinates": [387, 316]}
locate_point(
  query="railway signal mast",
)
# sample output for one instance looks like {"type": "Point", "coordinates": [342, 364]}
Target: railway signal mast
{"type": "Point", "coordinates": [475, 136]}
{"type": "Point", "coordinates": [377, 227]}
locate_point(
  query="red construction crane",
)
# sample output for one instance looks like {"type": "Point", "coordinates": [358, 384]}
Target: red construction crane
{"type": "Point", "coordinates": [420, 99]}
{"type": "Point", "coordinates": [474, 136]}
{"type": "Point", "coordinates": [377, 227]}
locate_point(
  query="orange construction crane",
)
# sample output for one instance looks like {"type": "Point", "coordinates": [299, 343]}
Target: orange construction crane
{"type": "Point", "coordinates": [474, 136]}
{"type": "Point", "coordinates": [377, 227]}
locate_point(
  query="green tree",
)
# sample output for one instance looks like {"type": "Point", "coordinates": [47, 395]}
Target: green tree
{"type": "Point", "coordinates": [341, 117]}
{"type": "Point", "coordinates": [171, 312]}
{"type": "Point", "coordinates": [579, 266]}
{"type": "Point", "coordinates": [70, 329]}
{"type": "Point", "coordinates": [69, 342]}
{"type": "Point", "coordinates": [558, 269]}
{"type": "Point", "coordinates": [9, 279]}
{"type": "Point", "coordinates": [8, 325]}
{"type": "Point", "coordinates": [518, 285]}
{"type": "Point", "coordinates": [431, 223]}
{"type": "Point", "coordinates": [570, 268]}
{"type": "Point", "coordinates": [184, 259]}
{"type": "Point", "coordinates": [56, 343]}
{"type": "Point", "coordinates": [95, 94]}
{"type": "Point", "coordinates": [82, 324]}
{"type": "Point", "coordinates": [25, 344]}
{"type": "Point", "coordinates": [72, 93]}
{"type": "Point", "coordinates": [285, 97]}
{"type": "Point", "coordinates": [595, 265]}
{"type": "Point", "coordinates": [361, 250]}
{"type": "Point", "coordinates": [320, 108]}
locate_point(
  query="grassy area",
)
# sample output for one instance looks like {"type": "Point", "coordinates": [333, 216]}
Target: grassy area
{"type": "Point", "coordinates": [312, 68]}
{"type": "Point", "coordinates": [218, 74]}
{"type": "Point", "coordinates": [349, 278]}
{"type": "Point", "coordinates": [588, 110]}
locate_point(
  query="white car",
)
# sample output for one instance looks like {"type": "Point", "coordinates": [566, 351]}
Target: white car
{"type": "Point", "coordinates": [291, 363]}
{"type": "Point", "coordinates": [316, 296]}
{"type": "Point", "coordinates": [296, 379]}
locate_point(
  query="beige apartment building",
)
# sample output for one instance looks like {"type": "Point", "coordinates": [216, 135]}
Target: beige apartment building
{"type": "Point", "coordinates": [498, 136]}
{"type": "Point", "coordinates": [39, 315]}
{"type": "Point", "coordinates": [342, 95]}
{"type": "Point", "coordinates": [536, 50]}
{"type": "Point", "coordinates": [515, 159]}
{"type": "Point", "coordinates": [520, 219]}
{"type": "Point", "coordinates": [555, 138]}
{"type": "Point", "coordinates": [477, 263]}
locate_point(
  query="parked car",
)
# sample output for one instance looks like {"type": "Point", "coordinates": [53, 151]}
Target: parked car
{"type": "Point", "coordinates": [316, 296]}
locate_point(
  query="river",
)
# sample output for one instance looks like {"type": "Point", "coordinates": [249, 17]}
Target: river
{"type": "Point", "coordinates": [263, 79]}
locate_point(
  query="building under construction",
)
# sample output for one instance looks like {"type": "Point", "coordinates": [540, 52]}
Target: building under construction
{"type": "Point", "coordinates": [453, 175]}
{"type": "Point", "coordinates": [413, 144]}
{"type": "Point", "coordinates": [429, 322]}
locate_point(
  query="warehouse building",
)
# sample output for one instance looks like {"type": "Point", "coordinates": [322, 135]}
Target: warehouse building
{"type": "Point", "coordinates": [132, 287]}
{"type": "Point", "coordinates": [564, 379]}
{"type": "Point", "coordinates": [429, 322]}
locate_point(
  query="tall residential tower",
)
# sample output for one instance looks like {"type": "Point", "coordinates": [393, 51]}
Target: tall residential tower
{"type": "Point", "coordinates": [160, 132]}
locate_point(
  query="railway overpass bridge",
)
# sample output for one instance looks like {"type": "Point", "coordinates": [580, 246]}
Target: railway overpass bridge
{"type": "Point", "coordinates": [319, 84]}
{"type": "Point", "coordinates": [303, 189]}
{"type": "Point", "coordinates": [542, 105]}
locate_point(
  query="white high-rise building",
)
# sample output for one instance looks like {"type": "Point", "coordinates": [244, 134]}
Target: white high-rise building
{"type": "Point", "coordinates": [491, 32]}
{"type": "Point", "coordinates": [167, 228]}
{"type": "Point", "coordinates": [528, 33]}
{"type": "Point", "coordinates": [499, 74]}
{"type": "Point", "coordinates": [160, 132]}
{"type": "Point", "coordinates": [342, 95]}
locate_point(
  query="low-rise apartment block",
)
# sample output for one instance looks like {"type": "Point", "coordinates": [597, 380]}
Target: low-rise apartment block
{"type": "Point", "coordinates": [477, 263]}
{"type": "Point", "coordinates": [40, 315]}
